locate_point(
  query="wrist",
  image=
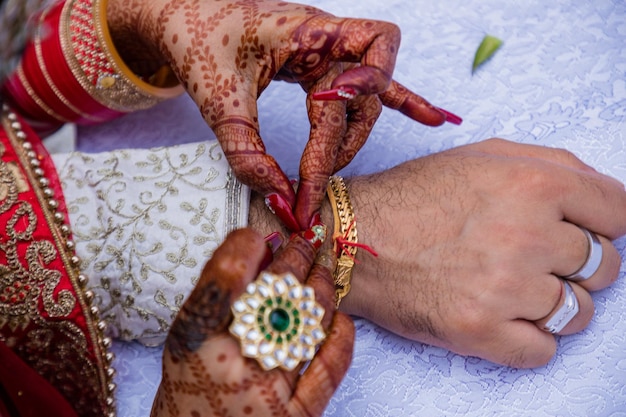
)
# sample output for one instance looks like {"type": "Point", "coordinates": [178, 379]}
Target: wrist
{"type": "Point", "coordinates": [261, 219]}
{"type": "Point", "coordinates": [363, 292]}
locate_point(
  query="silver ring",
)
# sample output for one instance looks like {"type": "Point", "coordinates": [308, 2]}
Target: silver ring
{"type": "Point", "coordinates": [593, 261]}
{"type": "Point", "coordinates": [566, 313]}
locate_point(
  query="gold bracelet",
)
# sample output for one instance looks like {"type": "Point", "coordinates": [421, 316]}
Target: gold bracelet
{"type": "Point", "coordinates": [345, 229]}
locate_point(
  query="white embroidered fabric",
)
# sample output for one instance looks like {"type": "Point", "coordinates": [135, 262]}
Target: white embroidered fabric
{"type": "Point", "coordinates": [559, 80]}
{"type": "Point", "coordinates": [144, 222]}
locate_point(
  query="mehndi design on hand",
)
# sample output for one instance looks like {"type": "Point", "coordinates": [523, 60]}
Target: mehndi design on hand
{"type": "Point", "coordinates": [227, 52]}
{"type": "Point", "coordinates": [204, 372]}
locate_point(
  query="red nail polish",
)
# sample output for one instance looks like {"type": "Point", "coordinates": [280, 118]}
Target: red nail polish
{"type": "Point", "coordinates": [341, 93]}
{"type": "Point", "coordinates": [315, 219]}
{"type": "Point", "coordinates": [273, 241]}
{"type": "Point", "coordinates": [316, 235]}
{"type": "Point", "coordinates": [451, 117]}
{"type": "Point", "coordinates": [279, 206]}
{"type": "Point", "coordinates": [268, 258]}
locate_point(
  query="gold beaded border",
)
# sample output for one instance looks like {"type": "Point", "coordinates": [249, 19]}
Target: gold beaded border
{"type": "Point", "coordinates": [61, 233]}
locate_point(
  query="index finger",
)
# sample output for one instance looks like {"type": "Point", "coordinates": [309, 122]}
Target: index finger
{"type": "Point", "coordinates": [583, 197]}
{"type": "Point", "coordinates": [400, 98]}
{"type": "Point", "coordinates": [497, 146]}
{"type": "Point", "coordinates": [581, 194]}
{"type": "Point", "coordinates": [373, 43]}
{"type": "Point", "coordinates": [594, 201]}
{"type": "Point", "coordinates": [328, 127]}
{"type": "Point", "coordinates": [242, 145]}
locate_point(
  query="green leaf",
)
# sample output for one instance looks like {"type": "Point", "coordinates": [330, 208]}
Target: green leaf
{"type": "Point", "coordinates": [486, 49]}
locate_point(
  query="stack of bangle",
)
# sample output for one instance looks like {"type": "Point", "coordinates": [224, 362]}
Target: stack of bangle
{"type": "Point", "coordinates": [344, 236]}
{"type": "Point", "coordinates": [71, 72]}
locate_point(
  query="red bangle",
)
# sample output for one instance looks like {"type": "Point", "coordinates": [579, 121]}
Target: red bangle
{"type": "Point", "coordinates": [71, 72]}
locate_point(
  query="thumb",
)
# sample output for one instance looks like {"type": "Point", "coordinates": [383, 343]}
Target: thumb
{"type": "Point", "coordinates": [224, 278]}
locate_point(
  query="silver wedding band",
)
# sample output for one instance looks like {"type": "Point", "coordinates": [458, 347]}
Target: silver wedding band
{"type": "Point", "coordinates": [593, 261]}
{"type": "Point", "coordinates": [566, 313]}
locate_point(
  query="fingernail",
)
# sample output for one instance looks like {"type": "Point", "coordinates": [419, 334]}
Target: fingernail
{"type": "Point", "coordinates": [451, 117]}
{"type": "Point", "coordinates": [273, 241]}
{"type": "Point", "coordinates": [341, 93]}
{"type": "Point", "coordinates": [315, 235]}
{"type": "Point", "coordinates": [315, 219]}
{"type": "Point", "coordinates": [268, 258]}
{"type": "Point", "coordinates": [281, 208]}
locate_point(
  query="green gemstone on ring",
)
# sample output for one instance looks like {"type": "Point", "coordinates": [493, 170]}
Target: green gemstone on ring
{"type": "Point", "coordinates": [286, 325]}
{"type": "Point", "coordinates": [279, 319]}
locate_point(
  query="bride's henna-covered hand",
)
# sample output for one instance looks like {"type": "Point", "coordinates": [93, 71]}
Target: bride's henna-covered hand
{"type": "Point", "coordinates": [227, 52]}
{"type": "Point", "coordinates": [204, 373]}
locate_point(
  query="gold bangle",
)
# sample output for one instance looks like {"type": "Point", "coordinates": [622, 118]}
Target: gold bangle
{"type": "Point", "coordinates": [91, 55]}
{"type": "Point", "coordinates": [345, 229]}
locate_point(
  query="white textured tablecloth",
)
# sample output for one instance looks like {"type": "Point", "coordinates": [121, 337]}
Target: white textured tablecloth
{"type": "Point", "coordinates": [558, 80]}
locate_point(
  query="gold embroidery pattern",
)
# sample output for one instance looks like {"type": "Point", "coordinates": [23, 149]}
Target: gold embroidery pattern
{"type": "Point", "coordinates": [145, 223]}
{"type": "Point", "coordinates": [45, 316]}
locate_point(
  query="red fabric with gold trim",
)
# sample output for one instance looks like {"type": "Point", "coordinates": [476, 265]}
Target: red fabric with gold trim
{"type": "Point", "coordinates": [25, 393]}
{"type": "Point", "coordinates": [45, 314]}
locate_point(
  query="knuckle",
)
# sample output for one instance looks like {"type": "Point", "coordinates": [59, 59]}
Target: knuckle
{"type": "Point", "coordinates": [531, 179]}
{"type": "Point", "coordinates": [394, 30]}
{"type": "Point", "coordinates": [494, 141]}
{"type": "Point", "coordinates": [471, 320]}
{"type": "Point", "coordinates": [564, 155]}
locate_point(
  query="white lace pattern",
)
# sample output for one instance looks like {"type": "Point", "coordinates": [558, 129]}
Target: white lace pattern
{"type": "Point", "coordinates": [144, 223]}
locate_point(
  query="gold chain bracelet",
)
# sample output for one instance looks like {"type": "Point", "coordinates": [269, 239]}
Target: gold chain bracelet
{"type": "Point", "coordinates": [344, 231]}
